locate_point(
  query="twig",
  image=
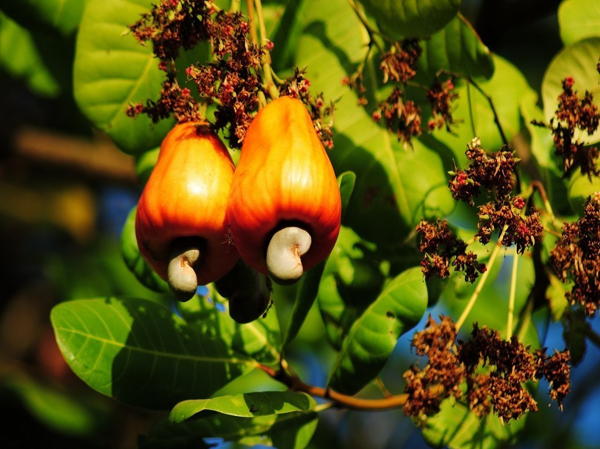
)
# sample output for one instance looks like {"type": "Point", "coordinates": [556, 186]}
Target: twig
{"type": "Point", "coordinates": [511, 299]}
{"type": "Point", "coordinates": [481, 283]}
{"type": "Point", "coordinates": [340, 400]}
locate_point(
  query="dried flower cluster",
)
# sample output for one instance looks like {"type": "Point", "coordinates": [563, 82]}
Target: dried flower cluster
{"type": "Point", "coordinates": [438, 244]}
{"type": "Point", "coordinates": [494, 371]}
{"type": "Point", "coordinates": [297, 86]}
{"type": "Point", "coordinates": [232, 81]}
{"type": "Point", "coordinates": [575, 113]}
{"type": "Point", "coordinates": [440, 97]}
{"type": "Point", "coordinates": [576, 257]}
{"type": "Point", "coordinates": [493, 172]}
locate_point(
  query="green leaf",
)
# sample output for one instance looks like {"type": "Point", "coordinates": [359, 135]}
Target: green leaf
{"type": "Point", "coordinates": [506, 88]}
{"type": "Point", "coordinates": [288, 31]}
{"type": "Point", "coordinates": [284, 431]}
{"type": "Point", "coordinates": [145, 163]}
{"type": "Point", "coordinates": [578, 20]}
{"type": "Point", "coordinates": [61, 410]}
{"type": "Point", "coordinates": [580, 188]}
{"type": "Point", "coordinates": [142, 354]}
{"type": "Point", "coordinates": [346, 181]}
{"type": "Point", "coordinates": [373, 335]}
{"type": "Point", "coordinates": [456, 48]}
{"type": "Point", "coordinates": [21, 58]}
{"type": "Point", "coordinates": [396, 185]}
{"type": "Point", "coordinates": [578, 61]}
{"type": "Point", "coordinates": [61, 15]}
{"type": "Point", "coordinates": [247, 405]}
{"type": "Point", "coordinates": [411, 18]}
{"type": "Point", "coordinates": [134, 259]}
{"type": "Point", "coordinates": [457, 428]}
{"type": "Point", "coordinates": [112, 70]}
{"type": "Point", "coordinates": [260, 339]}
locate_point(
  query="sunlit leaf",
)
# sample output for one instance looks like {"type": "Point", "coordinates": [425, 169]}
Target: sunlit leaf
{"type": "Point", "coordinates": [247, 405]}
{"type": "Point", "coordinates": [474, 115]}
{"type": "Point", "coordinates": [456, 48]}
{"type": "Point", "coordinates": [112, 70]}
{"type": "Point", "coordinates": [580, 188]}
{"type": "Point", "coordinates": [21, 58]}
{"type": "Point", "coordinates": [260, 339]}
{"type": "Point", "coordinates": [373, 335]}
{"type": "Point", "coordinates": [141, 353]}
{"type": "Point", "coordinates": [457, 428]}
{"type": "Point", "coordinates": [579, 61]}
{"type": "Point", "coordinates": [284, 431]}
{"type": "Point", "coordinates": [134, 259]}
{"type": "Point", "coordinates": [61, 15]}
{"type": "Point", "coordinates": [578, 20]}
{"type": "Point", "coordinates": [409, 18]}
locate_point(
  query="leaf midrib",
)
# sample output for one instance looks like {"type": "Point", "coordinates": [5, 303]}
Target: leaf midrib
{"type": "Point", "coordinates": [158, 353]}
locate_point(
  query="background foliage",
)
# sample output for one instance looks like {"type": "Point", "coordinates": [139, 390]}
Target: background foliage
{"type": "Point", "coordinates": [66, 193]}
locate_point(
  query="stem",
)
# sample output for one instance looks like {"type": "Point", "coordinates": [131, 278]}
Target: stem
{"type": "Point", "coordinates": [511, 300]}
{"type": "Point", "coordinates": [253, 35]}
{"type": "Point", "coordinates": [525, 317]}
{"type": "Point", "coordinates": [592, 336]}
{"type": "Point", "coordinates": [542, 191]}
{"type": "Point", "coordinates": [338, 399]}
{"type": "Point", "coordinates": [481, 283]}
{"type": "Point", "coordinates": [235, 5]}
{"type": "Point", "coordinates": [382, 387]}
{"type": "Point", "coordinates": [370, 31]}
{"type": "Point", "coordinates": [269, 85]}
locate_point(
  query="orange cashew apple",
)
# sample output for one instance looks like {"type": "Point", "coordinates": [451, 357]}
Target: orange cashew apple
{"type": "Point", "coordinates": [181, 223]}
{"type": "Point", "coordinates": [284, 205]}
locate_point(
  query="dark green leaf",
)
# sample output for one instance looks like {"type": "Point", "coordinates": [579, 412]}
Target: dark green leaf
{"type": "Point", "coordinates": [260, 339]}
{"type": "Point", "coordinates": [142, 354]}
{"type": "Point", "coordinates": [112, 70]}
{"type": "Point", "coordinates": [373, 335]}
{"type": "Point", "coordinates": [410, 18]}
{"type": "Point", "coordinates": [475, 117]}
{"type": "Point", "coordinates": [346, 181]}
{"type": "Point", "coordinates": [61, 15]}
{"type": "Point", "coordinates": [288, 31]}
{"type": "Point", "coordinates": [134, 259]}
{"type": "Point", "coordinates": [457, 48]}
{"type": "Point", "coordinates": [578, 61]}
{"type": "Point", "coordinates": [285, 431]}
{"type": "Point", "coordinates": [247, 405]}
{"type": "Point", "coordinates": [574, 335]}
{"type": "Point", "coordinates": [21, 59]}
{"type": "Point", "coordinates": [352, 280]}
{"type": "Point", "coordinates": [578, 20]}
{"type": "Point", "coordinates": [457, 428]}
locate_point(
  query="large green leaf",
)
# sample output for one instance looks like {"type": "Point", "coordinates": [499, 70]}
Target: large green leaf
{"type": "Point", "coordinates": [260, 339]}
{"type": "Point", "coordinates": [373, 335]}
{"type": "Point", "coordinates": [141, 353]}
{"type": "Point", "coordinates": [20, 57]}
{"type": "Point", "coordinates": [412, 18]}
{"type": "Point", "coordinates": [579, 61]}
{"type": "Point", "coordinates": [398, 186]}
{"type": "Point", "coordinates": [457, 428]}
{"type": "Point", "coordinates": [134, 259]}
{"type": "Point", "coordinates": [113, 70]}
{"type": "Point", "coordinates": [247, 405]}
{"type": "Point", "coordinates": [475, 118]}
{"type": "Point", "coordinates": [457, 48]}
{"type": "Point", "coordinates": [290, 430]}
{"type": "Point", "coordinates": [61, 15]}
{"type": "Point", "coordinates": [578, 20]}
{"type": "Point", "coordinates": [352, 280]}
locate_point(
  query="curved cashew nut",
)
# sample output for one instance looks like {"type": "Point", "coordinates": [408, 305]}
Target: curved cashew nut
{"type": "Point", "coordinates": [285, 249]}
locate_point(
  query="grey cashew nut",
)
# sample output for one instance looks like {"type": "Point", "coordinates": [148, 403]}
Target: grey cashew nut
{"type": "Point", "coordinates": [284, 253]}
{"type": "Point", "coordinates": [181, 273]}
